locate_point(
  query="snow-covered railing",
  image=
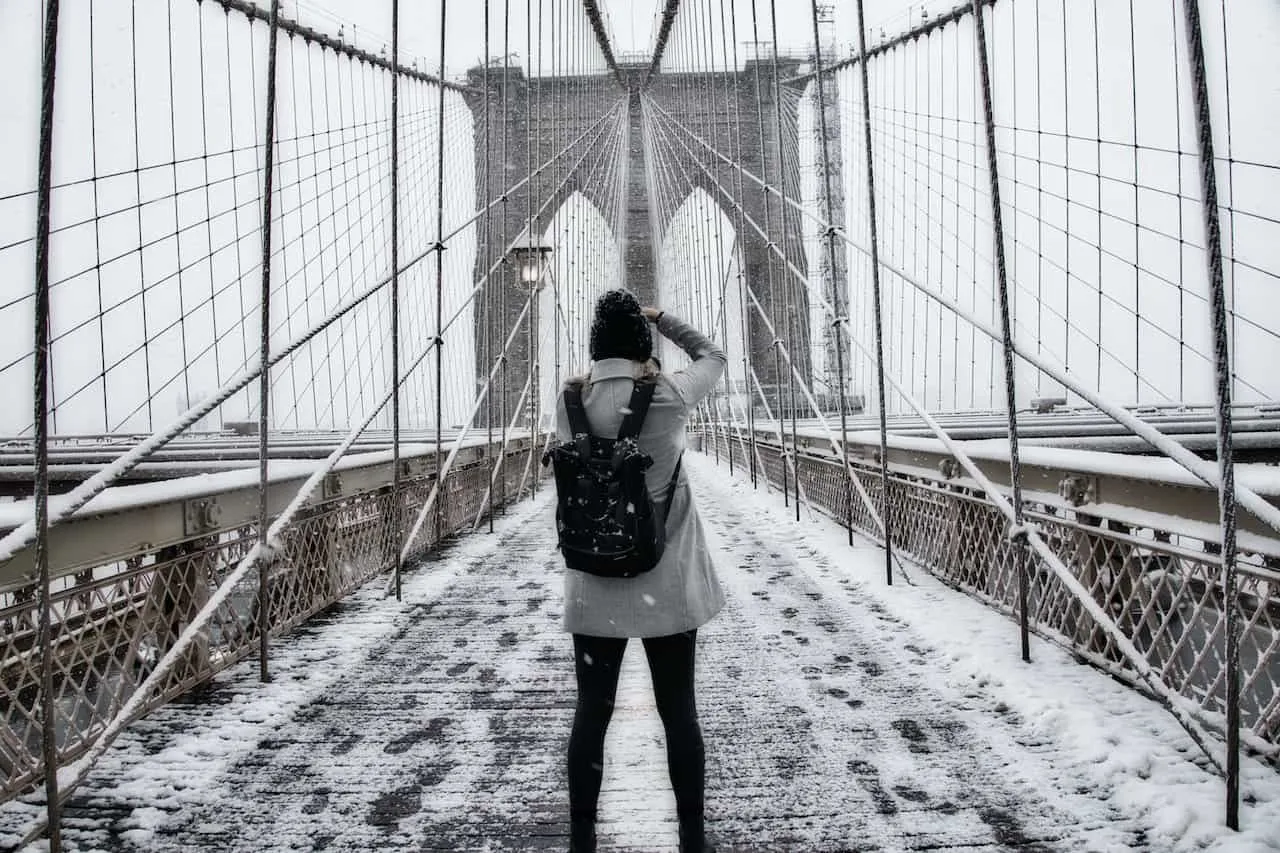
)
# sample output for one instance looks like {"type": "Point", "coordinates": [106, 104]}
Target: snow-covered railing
{"type": "Point", "coordinates": [1139, 533]}
{"type": "Point", "coordinates": [137, 563]}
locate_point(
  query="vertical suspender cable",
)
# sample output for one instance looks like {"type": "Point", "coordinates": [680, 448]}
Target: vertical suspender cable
{"type": "Point", "coordinates": [555, 279]}
{"type": "Point", "coordinates": [708, 277]}
{"type": "Point", "coordinates": [183, 310]}
{"type": "Point", "coordinates": [487, 242]}
{"type": "Point", "coordinates": [317, 390]}
{"type": "Point", "coordinates": [731, 97]}
{"type": "Point", "coordinates": [701, 227]}
{"type": "Point", "coordinates": [836, 302]}
{"type": "Point", "coordinates": [97, 213]}
{"type": "Point", "coordinates": [531, 331]}
{"type": "Point", "coordinates": [959, 244]}
{"type": "Point", "coordinates": [502, 290]}
{"type": "Point", "coordinates": [48, 731]}
{"type": "Point", "coordinates": [1137, 232]}
{"type": "Point", "coordinates": [1098, 224]}
{"type": "Point", "coordinates": [1040, 205]}
{"type": "Point", "coordinates": [536, 386]}
{"type": "Point", "coordinates": [264, 389]}
{"type": "Point", "coordinates": [137, 187]}
{"type": "Point", "coordinates": [1230, 180]}
{"type": "Point", "coordinates": [1018, 534]}
{"type": "Point", "coordinates": [721, 426]}
{"type": "Point", "coordinates": [439, 249]}
{"type": "Point", "coordinates": [886, 515]}
{"type": "Point", "coordinates": [720, 282]}
{"type": "Point", "coordinates": [1182, 277]}
{"type": "Point", "coordinates": [1222, 377]}
{"type": "Point", "coordinates": [787, 284]}
{"type": "Point", "coordinates": [395, 293]}
{"type": "Point", "coordinates": [768, 228]}
{"type": "Point", "coordinates": [745, 320]}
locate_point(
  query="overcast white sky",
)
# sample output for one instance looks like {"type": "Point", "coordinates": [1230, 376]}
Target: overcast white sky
{"type": "Point", "coordinates": [633, 23]}
{"type": "Point", "coordinates": [1132, 270]}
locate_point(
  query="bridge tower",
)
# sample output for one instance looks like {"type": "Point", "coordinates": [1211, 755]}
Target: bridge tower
{"type": "Point", "coordinates": [736, 111]}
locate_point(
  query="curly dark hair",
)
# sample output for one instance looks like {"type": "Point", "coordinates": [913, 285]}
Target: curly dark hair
{"type": "Point", "coordinates": [619, 329]}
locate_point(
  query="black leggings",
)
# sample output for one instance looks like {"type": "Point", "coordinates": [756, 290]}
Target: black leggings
{"type": "Point", "coordinates": [597, 660]}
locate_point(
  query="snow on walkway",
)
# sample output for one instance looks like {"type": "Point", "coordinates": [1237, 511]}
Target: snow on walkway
{"type": "Point", "coordinates": [839, 714]}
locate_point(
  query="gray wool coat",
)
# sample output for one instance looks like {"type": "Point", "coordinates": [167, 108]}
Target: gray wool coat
{"type": "Point", "coordinates": [682, 592]}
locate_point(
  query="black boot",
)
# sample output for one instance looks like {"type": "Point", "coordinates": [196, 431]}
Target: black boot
{"type": "Point", "coordinates": [693, 838]}
{"type": "Point", "coordinates": [582, 836]}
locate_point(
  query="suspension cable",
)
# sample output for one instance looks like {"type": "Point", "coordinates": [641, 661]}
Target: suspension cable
{"type": "Point", "coordinates": [1202, 470]}
{"type": "Point", "coordinates": [48, 699]}
{"type": "Point", "coordinates": [23, 535]}
{"type": "Point", "coordinates": [837, 299]}
{"type": "Point", "coordinates": [997, 214]}
{"type": "Point", "coordinates": [1227, 492]}
{"type": "Point", "coordinates": [783, 353]}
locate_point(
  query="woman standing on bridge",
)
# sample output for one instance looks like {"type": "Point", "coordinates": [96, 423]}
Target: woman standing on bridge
{"type": "Point", "coordinates": [665, 606]}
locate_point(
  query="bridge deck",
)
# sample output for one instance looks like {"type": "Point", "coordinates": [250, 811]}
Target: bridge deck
{"type": "Point", "coordinates": [839, 715]}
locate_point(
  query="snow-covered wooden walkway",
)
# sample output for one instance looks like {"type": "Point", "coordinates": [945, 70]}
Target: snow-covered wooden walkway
{"type": "Point", "coordinates": [839, 715]}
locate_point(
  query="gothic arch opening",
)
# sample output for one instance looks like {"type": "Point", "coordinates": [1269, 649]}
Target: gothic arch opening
{"type": "Point", "coordinates": [586, 261]}
{"type": "Point", "coordinates": [700, 279]}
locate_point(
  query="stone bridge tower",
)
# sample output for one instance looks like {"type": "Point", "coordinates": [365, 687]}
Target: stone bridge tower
{"type": "Point", "coordinates": [737, 113]}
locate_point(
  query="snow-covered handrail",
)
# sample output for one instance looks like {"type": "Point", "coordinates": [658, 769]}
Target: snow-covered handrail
{"type": "Point", "coordinates": [1028, 532]}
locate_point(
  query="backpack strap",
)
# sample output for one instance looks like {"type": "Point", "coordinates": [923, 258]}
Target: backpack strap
{"type": "Point", "coordinates": [671, 489]}
{"type": "Point", "coordinates": [641, 397]}
{"type": "Point", "coordinates": [578, 423]}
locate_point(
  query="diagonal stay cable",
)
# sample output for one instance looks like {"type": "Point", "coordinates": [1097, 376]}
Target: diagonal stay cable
{"type": "Point", "coordinates": [23, 535]}
{"type": "Point", "coordinates": [669, 13]}
{"type": "Point", "coordinates": [788, 458]}
{"type": "Point", "coordinates": [458, 439]}
{"type": "Point", "coordinates": [263, 551]}
{"type": "Point", "coordinates": [1206, 472]}
{"type": "Point", "coordinates": [782, 350]}
{"type": "Point", "coordinates": [443, 468]}
{"type": "Point", "coordinates": [1175, 703]}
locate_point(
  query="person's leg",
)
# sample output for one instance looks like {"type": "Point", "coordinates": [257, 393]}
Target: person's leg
{"type": "Point", "coordinates": [671, 663]}
{"type": "Point", "coordinates": [596, 663]}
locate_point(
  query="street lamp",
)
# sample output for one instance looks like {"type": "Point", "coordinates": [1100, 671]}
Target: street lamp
{"type": "Point", "coordinates": [530, 256]}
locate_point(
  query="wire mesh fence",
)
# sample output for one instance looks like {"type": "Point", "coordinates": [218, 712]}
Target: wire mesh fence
{"type": "Point", "coordinates": [115, 621]}
{"type": "Point", "coordinates": [1159, 582]}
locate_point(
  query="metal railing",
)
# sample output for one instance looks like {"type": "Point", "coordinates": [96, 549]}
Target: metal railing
{"type": "Point", "coordinates": [1145, 544]}
{"type": "Point", "coordinates": [120, 603]}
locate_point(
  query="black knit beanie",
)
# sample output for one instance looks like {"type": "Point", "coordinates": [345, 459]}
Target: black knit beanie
{"type": "Point", "coordinates": [619, 330]}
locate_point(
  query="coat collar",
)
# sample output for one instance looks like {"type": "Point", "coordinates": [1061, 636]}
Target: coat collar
{"type": "Point", "coordinates": [616, 368]}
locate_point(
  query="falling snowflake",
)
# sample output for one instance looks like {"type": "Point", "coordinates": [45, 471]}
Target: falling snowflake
{"type": "Point", "coordinates": [649, 599]}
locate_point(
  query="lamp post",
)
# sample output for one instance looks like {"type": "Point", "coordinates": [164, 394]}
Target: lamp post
{"type": "Point", "coordinates": [531, 257]}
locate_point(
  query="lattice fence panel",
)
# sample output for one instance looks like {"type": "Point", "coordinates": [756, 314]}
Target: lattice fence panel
{"type": "Point", "coordinates": [1161, 587]}
{"type": "Point", "coordinates": [112, 624]}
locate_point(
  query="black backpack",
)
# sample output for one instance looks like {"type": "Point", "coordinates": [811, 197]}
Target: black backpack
{"type": "Point", "coordinates": [606, 521]}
